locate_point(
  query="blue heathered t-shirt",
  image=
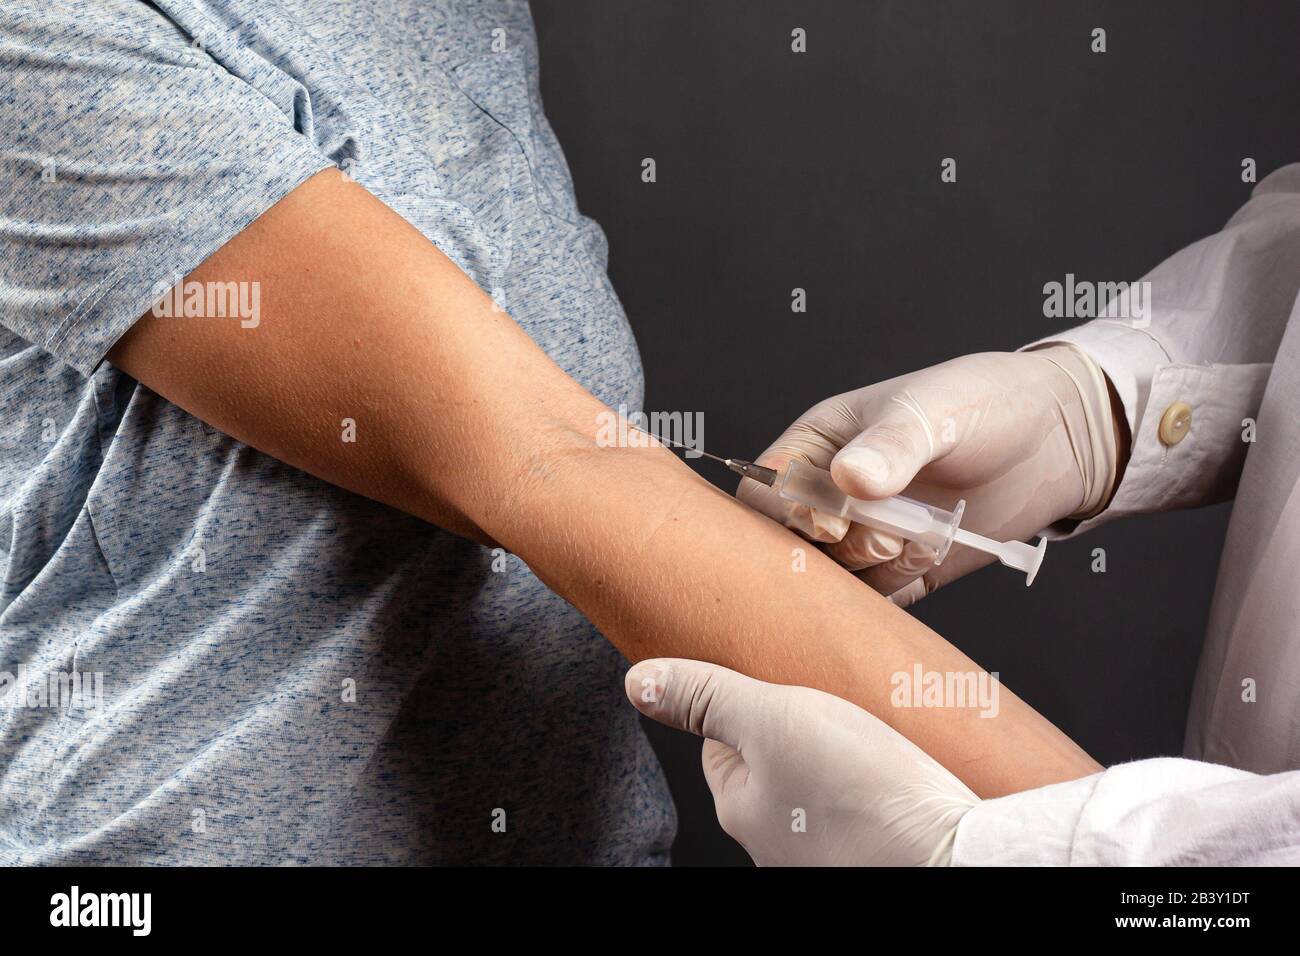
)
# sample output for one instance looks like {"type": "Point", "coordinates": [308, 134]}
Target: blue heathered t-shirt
{"type": "Point", "coordinates": [289, 672]}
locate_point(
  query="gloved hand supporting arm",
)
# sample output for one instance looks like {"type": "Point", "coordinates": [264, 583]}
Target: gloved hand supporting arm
{"type": "Point", "coordinates": [801, 778]}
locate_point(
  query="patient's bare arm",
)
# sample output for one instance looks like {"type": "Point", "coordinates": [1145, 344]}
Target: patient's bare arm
{"type": "Point", "coordinates": [463, 421]}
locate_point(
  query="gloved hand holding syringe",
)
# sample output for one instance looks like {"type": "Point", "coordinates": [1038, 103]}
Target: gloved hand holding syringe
{"type": "Point", "coordinates": [1030, 440]}
{"type": "Point", "coordinates": [914, 520]}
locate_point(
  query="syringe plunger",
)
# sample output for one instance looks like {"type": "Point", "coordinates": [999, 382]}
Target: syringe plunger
{"type": "Point", "coordinates": [905, 517]}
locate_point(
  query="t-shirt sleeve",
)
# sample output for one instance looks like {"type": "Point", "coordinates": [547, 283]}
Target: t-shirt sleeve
{"type": "Point", "coordinates": [128, 155]}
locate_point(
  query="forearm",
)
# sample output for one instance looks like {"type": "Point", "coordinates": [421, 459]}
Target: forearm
{"type": "Point", "coordinates": [667, 566]}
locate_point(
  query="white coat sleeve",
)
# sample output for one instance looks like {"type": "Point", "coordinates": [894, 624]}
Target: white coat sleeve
{"type": "Point", "coordinates": [1207, 337]}
{"type": "Point", "coordinates": [1161, 812]}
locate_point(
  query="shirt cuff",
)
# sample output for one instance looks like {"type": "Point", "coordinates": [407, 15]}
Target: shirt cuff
{"type": "Point", "coordinates": [1166, 470]}
{"type": "Point", "coordinates": [1126, 815]}
{"type": "Point", "coordinates": [1032, 828]}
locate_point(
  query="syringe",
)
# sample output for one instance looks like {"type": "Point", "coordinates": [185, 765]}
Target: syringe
{"type": "Point", "coordinates": [913, 520]}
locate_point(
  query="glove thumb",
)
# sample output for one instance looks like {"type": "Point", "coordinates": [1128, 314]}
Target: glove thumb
{"type": "Point", "coordinates": [700, 698]}
{"type": "Point", "coordinates": [883, 459]}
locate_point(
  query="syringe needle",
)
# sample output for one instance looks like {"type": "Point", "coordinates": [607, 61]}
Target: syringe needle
{"type": "Point", "coordinates": [676, 444]}
{"type": "Point", "coordinates": [748, 469]}
{"type": "Point", "coordinates": [721, 461]}
{"type": "Point", "coordinates": [759, 473]}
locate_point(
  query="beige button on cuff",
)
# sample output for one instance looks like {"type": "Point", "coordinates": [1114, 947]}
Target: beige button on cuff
{"type": "Point", "coordinates": [1175, 423]}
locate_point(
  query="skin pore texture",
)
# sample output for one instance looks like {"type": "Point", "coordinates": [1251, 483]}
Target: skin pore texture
{"type": "Point", "coordinates": [362, 317]}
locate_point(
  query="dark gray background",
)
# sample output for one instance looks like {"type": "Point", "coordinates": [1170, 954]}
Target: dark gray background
{"type": "Point", "coordinates": [821, 171]}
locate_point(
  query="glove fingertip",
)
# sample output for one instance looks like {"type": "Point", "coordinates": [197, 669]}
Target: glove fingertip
{"type": "Point", "coordinates": [819, 527]}
{"type": "Point", "coordinates": [909, 594]}
{"type": "Point", "coordinates": [828, 528]}
{"type": "Point", "coordinates": [646, 684]}
{"type": "Point", "coordinates": [863, 472]}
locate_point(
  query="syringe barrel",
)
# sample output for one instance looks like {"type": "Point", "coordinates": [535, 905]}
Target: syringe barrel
{"type": "Point", "coordinates": [905, 517]}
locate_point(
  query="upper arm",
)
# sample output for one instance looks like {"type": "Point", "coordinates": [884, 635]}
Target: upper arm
{"type": "Point", "coordinates": [374, 363]}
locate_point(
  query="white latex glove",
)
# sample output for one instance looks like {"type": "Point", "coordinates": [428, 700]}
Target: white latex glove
{"type": "Point", "coordinates": [1027, 438]}
{"type": "Point", "coordinates": [803, 778]}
